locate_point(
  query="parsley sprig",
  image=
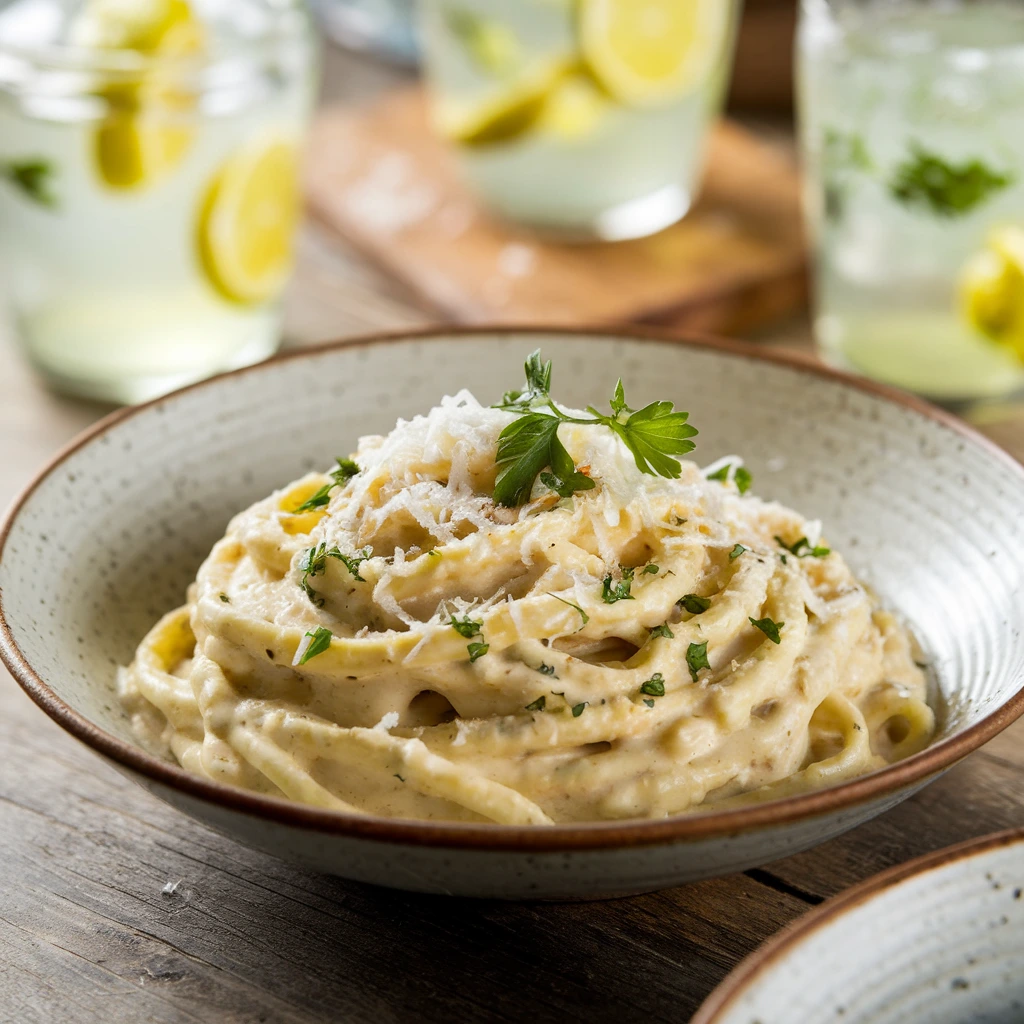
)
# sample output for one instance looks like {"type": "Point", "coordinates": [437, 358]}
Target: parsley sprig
{"type": "Point", "coordinates": [529, 445]}
{"type": "Point", "coordinates": [314, 563]}
{"type": "Point", "coordinates": [470, 628]}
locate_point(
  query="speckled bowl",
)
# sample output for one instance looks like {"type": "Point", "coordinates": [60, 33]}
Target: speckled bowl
{"type": "Point", "coordinates": [110, 533]}
{"type": "Point", "coordinates": [938, 940]}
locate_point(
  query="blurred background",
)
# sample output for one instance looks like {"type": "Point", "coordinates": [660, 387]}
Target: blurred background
{"type": "Point", "coordinates": [185, 185]}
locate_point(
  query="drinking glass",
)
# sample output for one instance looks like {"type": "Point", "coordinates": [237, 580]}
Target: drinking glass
{"type": "Point", "coordinates": [587, 118]}
{"type": "Point", "coordinates": [912, 131]}
{"type": "Point", "coordinates": [149, 184]}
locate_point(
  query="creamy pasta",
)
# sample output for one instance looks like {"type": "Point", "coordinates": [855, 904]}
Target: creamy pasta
{"type": "Point", "coordinates": [404, 646]}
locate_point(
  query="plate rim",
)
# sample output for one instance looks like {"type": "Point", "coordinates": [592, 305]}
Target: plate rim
{"type": "Point", "coordinates": [560, 838]}
{"type": "Point", "coordinates": [766, 957]}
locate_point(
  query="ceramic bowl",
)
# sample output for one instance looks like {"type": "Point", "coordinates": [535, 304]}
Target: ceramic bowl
{"type": "Point", "coordinates": [110, 533]}
{"type": "Point", "coordinates": [939, 939]}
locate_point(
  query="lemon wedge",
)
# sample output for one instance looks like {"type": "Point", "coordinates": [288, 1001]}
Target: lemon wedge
{"type": "Point", "coordinates": [649, 52]}
{"type": "Point", "coordinates": [992, 289]}
{"type": "Point", "coordinates": [247, 221]}
{"type": "Point", "coordinates": [504, 114]}
{"type": "Point", "coordinates": [144, 133]}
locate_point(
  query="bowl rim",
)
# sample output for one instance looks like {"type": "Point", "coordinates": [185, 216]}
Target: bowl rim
{"type": "Point", "coordinates": [769, 955]}
{"type": "Point", "coordinates": [914, 770]}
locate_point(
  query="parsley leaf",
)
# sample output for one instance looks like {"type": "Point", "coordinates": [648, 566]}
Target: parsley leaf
{"type": "Point", "coordinates": [802, 548]}
{"type": "Point", "coordinates": [32, 177]}
{"type": "Point", "coordinates": [697, 658]}
{"type": "Point", "coordinates": [536, 388]}
{"type": "Point", "coordinates": [320, 640]}
{"type": "Point", "coordinates": [547, 670]}
{"type": "Point", "coordinates": [736, 552]}
{"type": "Point", "coordinates": [694, 604]}
{"type": "Point", "coordinates": [352, 562]}
{"type": "Point", "coordinates": [477, 650]}
{"type": "Point", "coordinates": [538, 704]}
{"type": "Point", "coordinates": [928, 180]}
{"type": "Point", "coordinates": [649, 701]}
{"type": "Point", "coordinates": [466, 627]}
{"type": "Point", "coordinates": [769, 628]}
{"type": "Point", "coordinates": [662, 630]}
{"type": "Point", "coordinates": [655, 686]}
{"type": "Point", "coordinates": [578, 709]}
{"type": "Point", "coordinates": [653, 435]}
{"type": "Point", "coordinates": [583, 614]}
{"type": "Point", "coordinates": [652, 569]}
{"type": "Point", "coordinates": [620, 591]}
{"type": "Point", "coordinates": [313, 563]}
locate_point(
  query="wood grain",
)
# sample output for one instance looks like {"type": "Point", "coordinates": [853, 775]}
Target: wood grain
{"type": "Point", "coordinates": [379, 177]}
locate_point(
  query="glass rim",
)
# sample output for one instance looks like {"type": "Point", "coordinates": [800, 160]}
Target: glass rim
{"type": "Point", "coordinates": [288, 25]}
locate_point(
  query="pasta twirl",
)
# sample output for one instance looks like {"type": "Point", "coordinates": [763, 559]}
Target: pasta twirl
{"type": "Point", "coordinates": [403, 646]}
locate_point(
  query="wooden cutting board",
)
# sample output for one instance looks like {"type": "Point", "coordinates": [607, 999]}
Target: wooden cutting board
{"type": "Point", "coordinates": [380, 178]}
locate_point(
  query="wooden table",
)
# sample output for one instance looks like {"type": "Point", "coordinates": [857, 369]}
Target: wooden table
{"type": "Point", "coordinates": [114, 908]}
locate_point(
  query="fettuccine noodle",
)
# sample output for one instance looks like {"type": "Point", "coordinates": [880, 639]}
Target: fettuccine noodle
{"type": "Point", "coordinates": [569, 660]}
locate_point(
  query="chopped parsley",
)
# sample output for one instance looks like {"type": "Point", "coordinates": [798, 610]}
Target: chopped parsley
{"type": "Point", "coordinates": [477, 650]}
{"type": "Point", "coordinates": [651, 570]}
{"type": "Point", "coordinates": [736, 552]}
{"type": "Point", "coordinates": [620, 591]}
{"type": "Point", "coordinates": [697, 658]}
{"type": "Point", "coordinates": [649, 701]}
{"type": "Point", "coordinates": [344, 471]}
{"type": "Point", "coordinates": [769, 628]}
{"type": "Point", "coordinates": [583, 614]}
{"type": "Point", "coordinates": [663, 630]}
{"type": "Point", "coordinates": [547, 670]}
{"type": "Point", "coordinates": [317, 500]}
{"type": "Point", "coordinates": [803, 548]}
{"type": "Point", "coordinates": [225, 598]}
{"type": "Point", "coordinates": [655, 686]}
{"type": "Point", "coordinates": [530, 444]}
{"type": "Point", "coordinates": [578, 709]}
{"type": "Point", "coordinates": [352, 562]}
{"type": "Point", "coordinates": [929, 181]}
{"type": "Point", "coordinates": [694, 603]}
{"type": "Point", "coordinates": [466, 626]}
{"type": "Point", "coordinates": [538, 704]}
{"type": "Point", "coordinates": [320, 640]}
{"type": "Point", "coordinates": [313, 563]}
{"type": "Point", "coordinates": [32, 177]}
{"type": "Point", "coordinates": [741, 477]}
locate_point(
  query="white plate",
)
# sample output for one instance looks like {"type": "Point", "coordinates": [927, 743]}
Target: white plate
{"type": "Point", "coordinates": [939, 940]}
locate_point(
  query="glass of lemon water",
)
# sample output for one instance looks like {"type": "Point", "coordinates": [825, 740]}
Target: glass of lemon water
{"type": "Point", "coordinates": [912, 131]}
{"type": "Point", "coordinates": [149, 184]}
{"type": "Point", "coordinates": [586, 118]}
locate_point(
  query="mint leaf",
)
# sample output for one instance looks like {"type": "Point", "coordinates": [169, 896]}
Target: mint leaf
{"type": "Point", "coordinates": [929, 181]}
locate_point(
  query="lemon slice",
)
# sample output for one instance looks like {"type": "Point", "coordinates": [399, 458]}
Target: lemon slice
{"type": "Point", "coordinates": [503, 115]}
{"type": "Point", "coordinates": [144, 132]}
{"type": "Point", "coordinates": [992, 289]}
{"type": "Point", "coordinates": [247, 222]}
{"type": "Point", "coordinates": [648, 52]}
{"type": "Point", "coordinates": [574, 109]}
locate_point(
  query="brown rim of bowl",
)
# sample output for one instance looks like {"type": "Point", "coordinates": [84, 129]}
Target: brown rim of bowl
{"type": "Point", "coordinates": [765, 957]}
{"type": "Point", "coordinates": [586, 836]}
